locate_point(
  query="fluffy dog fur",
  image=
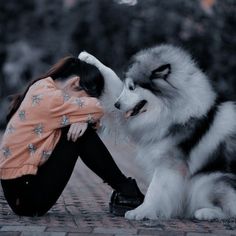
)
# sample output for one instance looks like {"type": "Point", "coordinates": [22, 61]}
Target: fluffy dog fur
{"type": "Point", "coordinates": [186, 136]}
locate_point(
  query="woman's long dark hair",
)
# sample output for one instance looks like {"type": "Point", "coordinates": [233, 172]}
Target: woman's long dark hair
{"type": "Point", "coordinates": [91, 79]}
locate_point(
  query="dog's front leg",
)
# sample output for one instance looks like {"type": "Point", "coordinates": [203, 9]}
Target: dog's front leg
{"type": "Point", "coordinates": [164, 197]}
{"type": "Point", "coordinates": [113, 84]}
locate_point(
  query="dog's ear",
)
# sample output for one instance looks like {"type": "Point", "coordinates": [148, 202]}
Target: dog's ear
{"type": "Point", "coordinates": [161, 72]}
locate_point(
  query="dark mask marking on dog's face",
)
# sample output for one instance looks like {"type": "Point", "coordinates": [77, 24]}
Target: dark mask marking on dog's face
{"type": "Point", "coordinates": [149, 85]}
{"type": "Point", "coordinates": [161, 72]}
{"type": "Point", "coordinates": [150, 78]}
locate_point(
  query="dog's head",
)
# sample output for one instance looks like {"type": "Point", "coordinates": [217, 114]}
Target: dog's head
{"type": "Point", "coordinates": [163, 85]}
{"type": "Point", "coordinates": [164, 82]}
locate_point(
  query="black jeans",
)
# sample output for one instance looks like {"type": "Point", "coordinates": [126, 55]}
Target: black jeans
{"type": "Point", "coordinates": [34, 195]}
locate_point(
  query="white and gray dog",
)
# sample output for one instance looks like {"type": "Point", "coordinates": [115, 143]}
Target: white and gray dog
{"type": "Point", "coordinates": [186, 135]}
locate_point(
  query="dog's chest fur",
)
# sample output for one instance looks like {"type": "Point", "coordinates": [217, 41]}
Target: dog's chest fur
{"type": "Point", "coordinates": [197, 144]}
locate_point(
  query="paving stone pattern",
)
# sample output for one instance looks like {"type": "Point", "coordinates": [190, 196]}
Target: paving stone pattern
{"type": "Point", "coordinates": [82, 209]}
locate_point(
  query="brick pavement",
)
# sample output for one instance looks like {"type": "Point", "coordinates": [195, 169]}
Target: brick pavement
{"type": "Point", "coordinates": [83, 210]}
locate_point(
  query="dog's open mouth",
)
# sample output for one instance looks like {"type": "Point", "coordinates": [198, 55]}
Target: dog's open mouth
{"type": "Point", "coordinates": [139, 108]}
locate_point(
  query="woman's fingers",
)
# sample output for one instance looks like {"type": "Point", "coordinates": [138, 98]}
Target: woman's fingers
{"type": "Point", "coordinates": [76, 130]}
{"type": "Point", "coordinates": [69, 132]}
{"type": "Point", "coordinates": [83, 129]}
{"type": "Point", "coordinates": [72, 131]}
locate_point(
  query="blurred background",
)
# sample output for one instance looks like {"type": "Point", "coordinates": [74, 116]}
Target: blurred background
{"type": "Point", "coordinates": [34, 34]}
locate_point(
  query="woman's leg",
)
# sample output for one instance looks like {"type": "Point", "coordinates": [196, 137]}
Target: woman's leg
{"type": "Point", "coordinates": [37, 194]}
{"type": "Point", "coordinates": [96, 156]}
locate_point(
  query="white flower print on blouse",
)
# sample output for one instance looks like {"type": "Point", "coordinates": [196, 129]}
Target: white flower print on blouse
{"type": "Point", "coordinates": [90, 119]}
{"type": "Point", "coordinates": [65, 96]}
{"type": "Point", "coordinates": [10, 129]}
{"type": "Point", "coordinates": [36, 99]}
{"type": "Point", "coordinates": [32, 148]}
{"type": "Point", "coordinates": [21, 115]}
{"type": "Point", "coordinates": [46, 154]}
{"type": "Point", "coordinates": [6, 152]}
{"type": "Point", "coordinates": [79, 102]}
{"type": "Point", "coordinates": [38, 129]}
{"type": "Point", "coordinates": [65, 121]}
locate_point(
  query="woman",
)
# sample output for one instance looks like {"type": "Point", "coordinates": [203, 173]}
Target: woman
{"type": "Point", "coordinates": [49, 126]}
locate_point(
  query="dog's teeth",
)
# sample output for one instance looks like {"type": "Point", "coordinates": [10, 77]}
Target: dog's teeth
{"type": "Point", "coordinates": [128, 114]}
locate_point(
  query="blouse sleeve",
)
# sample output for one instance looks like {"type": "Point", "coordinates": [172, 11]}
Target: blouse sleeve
{"type": "Point", "coordinates": [65, 110]}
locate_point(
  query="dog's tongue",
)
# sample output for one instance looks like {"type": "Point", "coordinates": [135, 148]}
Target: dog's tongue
{"type": "Point", "coordinates": [128, 114]}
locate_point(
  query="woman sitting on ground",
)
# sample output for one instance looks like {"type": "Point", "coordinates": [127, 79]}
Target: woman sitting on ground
{"type": "Point", "coordinates": [49, 126]}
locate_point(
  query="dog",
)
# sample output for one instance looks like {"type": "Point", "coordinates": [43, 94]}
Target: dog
{"type": "Point", "coordinates": [185, 134]}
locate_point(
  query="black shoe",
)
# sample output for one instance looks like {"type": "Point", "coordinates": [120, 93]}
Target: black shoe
{"type": "Point", "coordinates": [130, 198]}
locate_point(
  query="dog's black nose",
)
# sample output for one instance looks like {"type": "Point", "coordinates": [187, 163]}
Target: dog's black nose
{"type": "Point", "coordinates": [117, 105]}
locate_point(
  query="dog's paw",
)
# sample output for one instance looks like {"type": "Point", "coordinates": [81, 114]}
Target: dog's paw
{"type": "Point", "coordinates": [141, 213]}
{"type": "Point", "coordinates": [86, 57]}
{"type": "Point", "coordinates": [209, 214]}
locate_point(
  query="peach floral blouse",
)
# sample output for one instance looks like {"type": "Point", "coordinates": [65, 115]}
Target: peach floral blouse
{"type": "Point", "coordinates": [34, 130]}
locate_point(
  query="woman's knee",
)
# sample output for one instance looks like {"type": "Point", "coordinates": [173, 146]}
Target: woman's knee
{"type": "Point", "coordinates": [89, 135]}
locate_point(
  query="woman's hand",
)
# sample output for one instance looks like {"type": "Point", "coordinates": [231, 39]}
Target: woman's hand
{"type": "Point", "coordinates": [76, 130]}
